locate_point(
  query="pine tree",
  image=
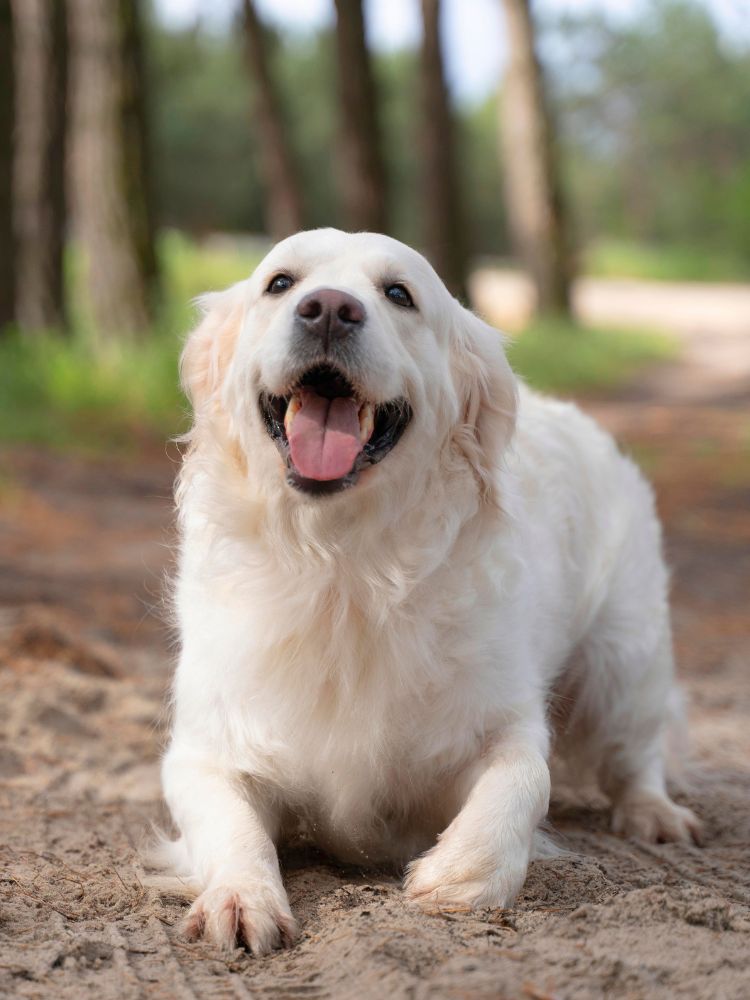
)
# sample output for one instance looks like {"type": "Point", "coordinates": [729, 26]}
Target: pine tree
{"type": "Point", "coordinates": [284, 206]}
{"type": "Point", "coordinates": [533, 188]}
{"type": "Point", "coordinates": [361, 167]}
{"type": "Point", "coordinates": [7, 132]}
{"type": "Point", "coordinates": [42, 89]}
{"type": "Point", "coordinates": [444, 233]}
{"type": "Point", "coordinates": [113, 195]}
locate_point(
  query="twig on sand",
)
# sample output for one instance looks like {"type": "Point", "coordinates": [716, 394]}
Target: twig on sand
{"type": "Point", "coordinates": [536, 993]}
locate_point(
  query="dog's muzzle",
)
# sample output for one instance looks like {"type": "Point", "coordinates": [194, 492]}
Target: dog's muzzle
{"type": "Point", "coordinates": [325, 431]}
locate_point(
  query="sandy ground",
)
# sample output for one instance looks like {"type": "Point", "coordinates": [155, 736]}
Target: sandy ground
{"type": "Point", "coordinates": [84, 664]}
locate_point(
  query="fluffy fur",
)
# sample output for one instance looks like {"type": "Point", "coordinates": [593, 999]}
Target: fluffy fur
{"type": "Point", "coordinates": [384, 671]}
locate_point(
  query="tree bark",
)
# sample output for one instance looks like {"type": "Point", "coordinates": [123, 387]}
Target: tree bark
{"type": "Point", "coordinates": [7, 131]}
{"type": "Point", "coordinates": [42, 71]}
{"type": "Point", "coordinates": [443, 223]}
{"type": "Point", "coordinates": [361, 168]}
{"type": "Point", "coordinates": [113, 203]}
{"type": "Point", "coordinates": [533, 188]}
{"type": "Point", "coordinates": [284, 210]}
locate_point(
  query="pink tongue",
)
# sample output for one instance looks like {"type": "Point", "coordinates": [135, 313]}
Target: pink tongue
{"type": "Point", "coordinates": [324, 436]}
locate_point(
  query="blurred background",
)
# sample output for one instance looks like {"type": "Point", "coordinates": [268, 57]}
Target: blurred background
{"type": "Point", "coordinates": [579, 172]}
{"type": "Point", "coordinates": [150, 151]}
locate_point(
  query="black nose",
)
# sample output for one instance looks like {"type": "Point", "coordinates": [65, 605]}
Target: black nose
{"type": "Point", "coordinates": [330, 314]}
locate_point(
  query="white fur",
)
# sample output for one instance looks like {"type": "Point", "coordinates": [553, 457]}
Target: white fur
{"type": "Point", "coordinates": [385, 670]}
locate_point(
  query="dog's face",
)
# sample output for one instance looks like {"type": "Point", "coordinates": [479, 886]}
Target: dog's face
{"type": "Point", "coordinates": [345, 356]}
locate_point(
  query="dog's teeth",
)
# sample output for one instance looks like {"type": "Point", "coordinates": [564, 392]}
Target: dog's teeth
{"type": "Point", "coordinates": [291, 412]}
{"type": "Point", "coordinates": [366, 422]}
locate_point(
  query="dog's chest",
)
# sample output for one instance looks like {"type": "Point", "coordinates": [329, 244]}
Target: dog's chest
{"type": "Point", "coordinates": [363, 730]}
{"type": "Point", "coordinates": [358, 707]}
{"type": "Point", "coordinates": [373, 786]}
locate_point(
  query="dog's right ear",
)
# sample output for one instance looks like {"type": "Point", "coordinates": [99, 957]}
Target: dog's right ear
{"type": "Point", "coordinates": [488, 390]}
{"type": "Point", "coordinates": [209, 348]}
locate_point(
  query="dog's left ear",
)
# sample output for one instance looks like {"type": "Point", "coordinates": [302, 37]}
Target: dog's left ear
{"type": "Point", "coordinates": [488, 396]}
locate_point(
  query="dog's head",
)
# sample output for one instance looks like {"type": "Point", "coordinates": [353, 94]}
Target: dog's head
{"type": "Point", "coordinates": [344, 363]}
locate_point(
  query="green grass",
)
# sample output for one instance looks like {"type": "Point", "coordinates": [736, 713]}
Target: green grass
{"type": "Point", "coordinates": [69, 393]}
{"type": "Point", "coordinates": [624, 259]}
{"type": "Point", "coordinates": [72, 392]}
{"type": "Point", "coordinates": [56, 392]}
{"type": "Point", "coordinates": [556, 356]}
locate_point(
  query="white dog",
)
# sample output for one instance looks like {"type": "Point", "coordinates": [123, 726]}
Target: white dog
{"type": "Point", "coordinates": [402, 574]}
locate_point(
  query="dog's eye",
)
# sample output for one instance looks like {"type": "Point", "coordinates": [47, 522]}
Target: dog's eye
{"type": "Point", "coordinates": [399, 296]}
{"type": "Point", "coordinates": [280, 284]}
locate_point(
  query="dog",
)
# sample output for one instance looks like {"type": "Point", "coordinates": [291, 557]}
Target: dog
{"type": "Point", "coordinates": [402, 577]}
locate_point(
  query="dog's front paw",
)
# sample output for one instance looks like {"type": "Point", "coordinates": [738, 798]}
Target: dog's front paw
{"type": "Point", "coordinates": [447, 877]}
{"type": "Point", "coordinates": [250, 913]}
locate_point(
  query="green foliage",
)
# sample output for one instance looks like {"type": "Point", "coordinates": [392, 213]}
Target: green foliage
{"type": "Point", "coordinates": [205, 150]}
{"type": "Point", "coordinates": [557, 356]}
{"type": "Point", "coordinates": [656, 124]}
{"type": "Point", "coordinates": [398, 92]}
{"type": "Point", "coordinates": [610, 258]}
{"type": "Point", "coordinates": [305, 70]}
{"type": "Point", "coordinates": [53, 391]}
{"type": "Point", "coordinates": [482, 182]}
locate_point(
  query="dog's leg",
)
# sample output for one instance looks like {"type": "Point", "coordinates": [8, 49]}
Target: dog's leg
{"type": "Point", "coordinates": [627, 699]}
{"type": "Point", "coordinates": [633, 774]}
{"type": "Point", "coordinates": [632, 704]}
{"type": "Point", "coordinates": [229, 838]}
{"type": "Point", "coordinates": [482, 857]}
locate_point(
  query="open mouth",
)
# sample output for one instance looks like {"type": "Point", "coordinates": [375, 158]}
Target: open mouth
{"type": "Point", "coordinates": [326, 433]}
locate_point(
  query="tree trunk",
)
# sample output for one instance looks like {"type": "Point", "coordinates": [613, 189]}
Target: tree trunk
{"type": "Point", "coordinates": [113, 196]}
{"type": "Point", "coordinates": [533, 189]}
{"type": "Point", "coordinates": [7, 130]}
{"type": "Point", "coordinates": [362, 173]}
{"type": "Point", "coordinates": [284, 208]}
{"type": "Point", "coordinates": [443, 225]}
{"type": "Point", "coordinates": [42, 70]}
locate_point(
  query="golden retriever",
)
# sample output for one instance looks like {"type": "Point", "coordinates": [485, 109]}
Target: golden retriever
{"type": "Point", "coordinates": [397, 563]}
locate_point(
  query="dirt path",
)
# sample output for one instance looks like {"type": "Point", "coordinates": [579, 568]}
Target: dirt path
{"type": "Point", "coordinates": [84, 664]}
{"type": "Point", "coordinates": [712, 322]}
